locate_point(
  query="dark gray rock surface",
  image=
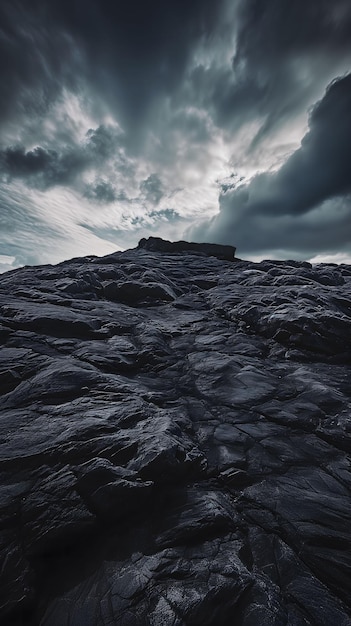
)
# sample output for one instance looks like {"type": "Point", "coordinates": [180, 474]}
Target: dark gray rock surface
{"type": "Point", "coordinates": [175, 442]}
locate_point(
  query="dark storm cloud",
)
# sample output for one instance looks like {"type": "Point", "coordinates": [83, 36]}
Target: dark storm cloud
{"type": "Point", "coordinates": [130, 56]}
{"type": "Point", "coordinates": [146, 45]}
{"type": "Point", "coordinates": [44, 168]}
{"type": "Point", "coordinates": [306, 203]}
{"type": "Point", "coordinates": [285, 53]}
{"type": "Point", "coordinates": [321, 168]}
{"type": "Point", "coordinates": [272, 31]}
{"type": "Point", "coordinates": [129, 52]}
{"type": "Point", "coordinates": [36, 60]}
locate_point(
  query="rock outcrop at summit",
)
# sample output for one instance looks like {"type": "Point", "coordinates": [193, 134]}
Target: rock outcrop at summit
{"type": "Point", "coordinates": [175, 442]}
{"type": "Point", "coordinates": [156, 244]}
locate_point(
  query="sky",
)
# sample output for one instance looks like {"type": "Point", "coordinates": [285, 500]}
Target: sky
{"type": "Point", "coordinates": [210, 120]}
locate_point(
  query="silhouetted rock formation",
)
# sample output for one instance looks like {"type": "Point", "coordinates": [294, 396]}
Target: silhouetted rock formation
{"type": "Point", "coordinates": [175, 442]}
{"type": "Point", "coordinates": [156, 244]}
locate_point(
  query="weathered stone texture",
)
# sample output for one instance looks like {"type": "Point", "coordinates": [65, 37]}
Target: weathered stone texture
{"type": "Point", "coordinates": [175, 442]}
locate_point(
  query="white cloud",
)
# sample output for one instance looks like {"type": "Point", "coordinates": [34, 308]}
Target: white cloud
{"type": "Point", "coordinates": [338, 257]}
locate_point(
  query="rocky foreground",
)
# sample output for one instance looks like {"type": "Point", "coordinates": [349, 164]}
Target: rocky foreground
{"type": "Point", "coordinates": [175, 442]}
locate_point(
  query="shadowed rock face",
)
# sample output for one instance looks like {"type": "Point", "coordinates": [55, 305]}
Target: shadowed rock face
{"type": "Point", "coordinates": [175, 442]}
{"type": "Point", "coordinates": [156, 244]}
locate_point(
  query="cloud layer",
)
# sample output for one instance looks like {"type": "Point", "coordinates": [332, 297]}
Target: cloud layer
{"type": "Point", "coordinates": [306, 204]}
{"type": "Point", "coordinates": [203, 119]}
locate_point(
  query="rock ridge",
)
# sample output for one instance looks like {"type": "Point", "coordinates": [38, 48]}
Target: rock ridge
{"type": "Point", "coordinates": [175, 441]}
{"type": "Point", "coordinates": [156, 244]}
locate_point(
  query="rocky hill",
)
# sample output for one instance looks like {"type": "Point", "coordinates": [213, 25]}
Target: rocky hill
{"type": "Point", "coordinates": [175, 441]}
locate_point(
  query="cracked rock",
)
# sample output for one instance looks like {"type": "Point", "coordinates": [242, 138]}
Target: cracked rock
{"type": "Point", "coordinates": [175, 441]}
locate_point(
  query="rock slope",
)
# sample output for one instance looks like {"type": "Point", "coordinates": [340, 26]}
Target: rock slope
{"type": "Point", "coordinates": [175, 442]}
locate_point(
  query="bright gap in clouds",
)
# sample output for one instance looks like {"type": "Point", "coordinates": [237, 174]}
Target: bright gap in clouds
{"type": "Point", "coordinates": [115, 199]}
{"type": "Point", "coordinates": [47, 231]}
{"type": "Point", "coordinates": [338, 258]}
